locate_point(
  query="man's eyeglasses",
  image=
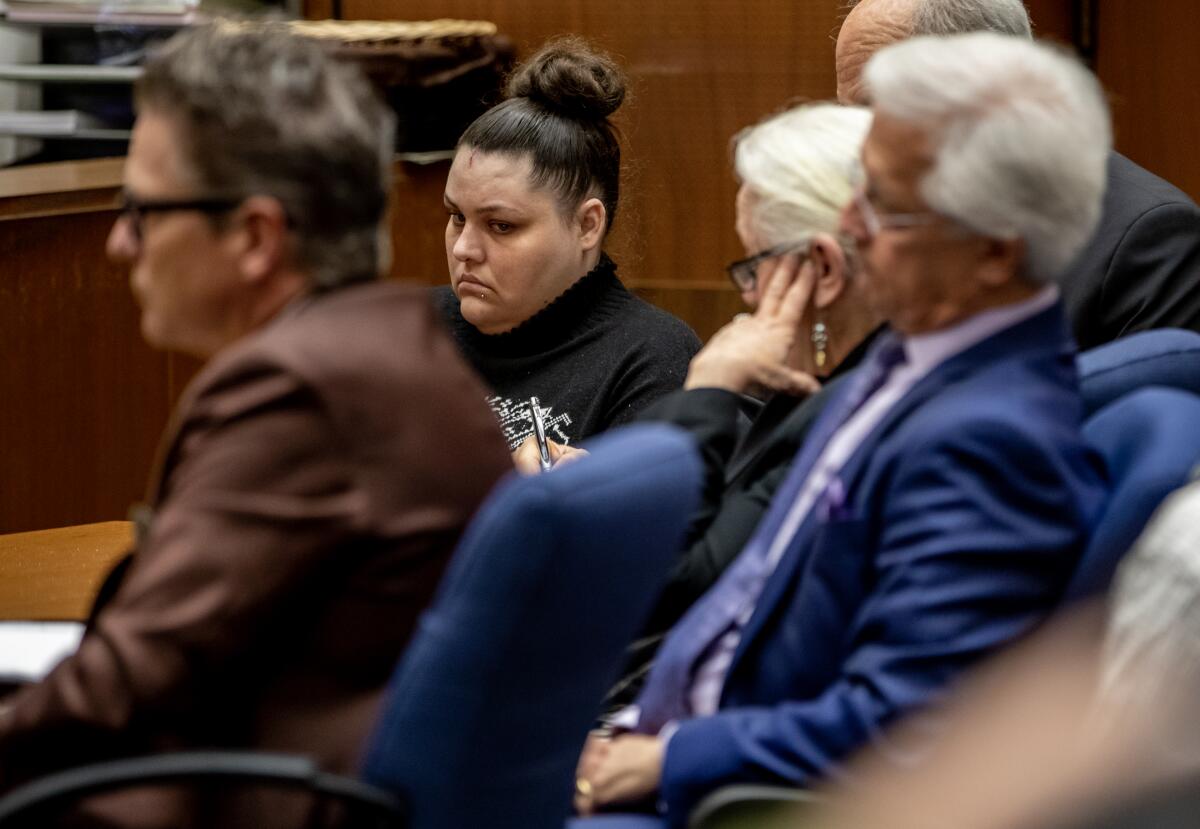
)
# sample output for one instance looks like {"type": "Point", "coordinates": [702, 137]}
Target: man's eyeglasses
{"type": "Point", "coordinates": [874, 221]}
{"type": "Point", "coordinates": [744, 272]}
{"type": "Point", "coordinates": [136, 209]}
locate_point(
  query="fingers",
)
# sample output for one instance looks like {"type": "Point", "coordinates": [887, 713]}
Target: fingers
{"type": "Point", "coordinates": [796, 383]}
{"type": "Point", "coordinates": [779, 275]}
{"type": "Point", "coordinates": [569, 454]}
{"type": "Point", "coordinates": [798, 293]}
{"type": "Point", "coordinates": [526, 457]}
{"type": "Point", "coordinates": [780, 378]}
{"type": "Point", "coordinates": [528, 460]}
{"type": "Point", "coordinates": [595, 750]}
{"type": "Point", "coordinates": [584, 800]}
{"type": "Point", "coordinates": [557, 450]}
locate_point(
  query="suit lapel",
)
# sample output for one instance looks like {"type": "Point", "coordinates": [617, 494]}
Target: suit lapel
{"type": "Point", "coordinates": [1043, 334]}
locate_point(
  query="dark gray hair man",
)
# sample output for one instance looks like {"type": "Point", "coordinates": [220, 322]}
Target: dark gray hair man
{"type": "Point", "coordinates": [320, 467]}
{"type": "Point", "coordinates": [277, 138]}
{"type": "Point", "coordinates": [1141, 270]}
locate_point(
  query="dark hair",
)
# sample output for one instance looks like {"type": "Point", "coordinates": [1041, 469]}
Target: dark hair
{"type": "Point", "coordinates": [557, 113]}
{"type": "Point", "coordinates": [264, 112]}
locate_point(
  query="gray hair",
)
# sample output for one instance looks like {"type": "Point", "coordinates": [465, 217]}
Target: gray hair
{"type": "Point", "coordinates": [801, 166]}
{"type": "Point", "coordinates": [1022, 135]}
{"type": "Point", "coordinates": [263, 112]}
{"type": "Point", "coordinates": [955, 17]}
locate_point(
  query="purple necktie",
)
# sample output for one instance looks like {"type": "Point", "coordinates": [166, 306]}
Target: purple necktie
{"type": "Point", "coordinates": [665, 695]}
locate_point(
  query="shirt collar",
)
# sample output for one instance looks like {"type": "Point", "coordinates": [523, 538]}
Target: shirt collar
{"type": "Point", "coordinates": [924, 351]}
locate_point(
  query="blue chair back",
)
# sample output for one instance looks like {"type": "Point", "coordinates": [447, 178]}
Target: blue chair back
{"type": "Point", "coordinates": [1164, 357]}
{"type": "Point", "coordinates": [1150, 439]}
{"type": "Point", "coordinates": [490, 705]}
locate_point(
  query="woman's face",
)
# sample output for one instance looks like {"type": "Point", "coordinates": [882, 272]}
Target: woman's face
{"type": "Point", "coordinates": [510, 249]}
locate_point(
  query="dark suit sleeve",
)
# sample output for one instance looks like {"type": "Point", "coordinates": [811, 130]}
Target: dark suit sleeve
{"type": "Point", "coordinates": [716, 419]}
{"type": "Point", "coordinates": [1153, 279]}
{"type": "Point", "coordinates": [978, 530]}
{"type": "Point", "coordinates": [701, 564]}
{"type": "Point", "coordinates": [255, 496]}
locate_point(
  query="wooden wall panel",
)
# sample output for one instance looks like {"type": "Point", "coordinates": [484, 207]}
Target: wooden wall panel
{"type": "Point", "coordinates": [1052, 19]}
{"type": "Point", "coordinates": [84, 399]}
{"type": "Point", "coordinates": [1148, 57]}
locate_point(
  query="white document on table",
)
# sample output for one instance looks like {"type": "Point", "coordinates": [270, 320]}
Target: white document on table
{"type": "Point", "coordinates": [29, 650]}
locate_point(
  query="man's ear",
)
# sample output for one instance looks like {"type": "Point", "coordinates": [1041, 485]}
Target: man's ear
{"type": "Point", "coordinates": [1000, 261]}
{"type": "Point", "coordinates": [829, 263]}
{"type": "Point", "coordinates": [591, 217]}
{"type": "Point", "coordinates": [262, 238]}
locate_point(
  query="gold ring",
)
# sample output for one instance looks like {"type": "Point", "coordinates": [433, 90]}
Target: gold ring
{"type": "Point", "coordinates": [583, 787]}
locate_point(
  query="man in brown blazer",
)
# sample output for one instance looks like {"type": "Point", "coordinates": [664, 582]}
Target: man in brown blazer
{"type": "Point", "coordinates": [317, 472]}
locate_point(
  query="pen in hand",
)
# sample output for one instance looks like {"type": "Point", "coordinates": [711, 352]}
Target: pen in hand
{"type": "Point", "coordinates": [539, 433]}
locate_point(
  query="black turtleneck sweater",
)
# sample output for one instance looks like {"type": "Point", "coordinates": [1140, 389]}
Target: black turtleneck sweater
{"type": "Point", "coordinates": [594, 358]}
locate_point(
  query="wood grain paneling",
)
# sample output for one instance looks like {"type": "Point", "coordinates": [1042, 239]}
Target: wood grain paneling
{"type": "Point", "coordinates": [1052, 19]}
{"type": "Point", "coordinates": [1148, 57]}
{"type": "Point", "coordinates": [84, 399]}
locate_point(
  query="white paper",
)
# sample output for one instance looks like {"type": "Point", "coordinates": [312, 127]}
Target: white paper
{"type": "Point", "coordinates": [29, 650]}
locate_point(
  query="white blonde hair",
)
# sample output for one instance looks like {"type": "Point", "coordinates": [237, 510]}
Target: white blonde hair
{"type": "Point", "coordinates": [801, 165]}
{"type": "Point", "coordinates": [1022, 134]}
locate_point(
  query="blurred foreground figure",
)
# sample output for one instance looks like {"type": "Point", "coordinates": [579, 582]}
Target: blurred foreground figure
{"type": "Point", "coordinates": [1152, 650]}
{"type": "Point", "coordinates": [1141, 268]}
{"type": "Point", "coordinates": [1026, 744]}
{"type": "Point", "coordinates": [943, 496]}
{"type": "Point", "coordinates": [311, 484]}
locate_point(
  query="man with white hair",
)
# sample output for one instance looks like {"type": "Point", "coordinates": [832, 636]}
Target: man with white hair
{"type": "Point", "coordinates": [1141, 269]}
{"type": "Point", "coordinates": [945, 493]}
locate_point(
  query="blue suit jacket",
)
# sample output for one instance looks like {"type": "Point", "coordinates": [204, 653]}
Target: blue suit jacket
{"type": "Point", "coordinates": [965, 512]}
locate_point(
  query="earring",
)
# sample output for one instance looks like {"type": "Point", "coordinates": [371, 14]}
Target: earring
{"type": "Point", "coordinates": [820, 342]}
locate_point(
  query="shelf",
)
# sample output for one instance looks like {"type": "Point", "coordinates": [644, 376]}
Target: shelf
{"type": "Point", "coordinates": [90, 133]}
{"type": "Point", "coordinates": [42, 73]}
{"type": "Point", "coordinates": [99, 17]}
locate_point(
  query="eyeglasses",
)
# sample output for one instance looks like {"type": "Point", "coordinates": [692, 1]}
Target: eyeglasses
{"type": "Point", "coordinates": [874, 221]}
{"type": "Point", "coordinates": [136, 209]}
{"type": "Point", "coordinates": [744, 272]}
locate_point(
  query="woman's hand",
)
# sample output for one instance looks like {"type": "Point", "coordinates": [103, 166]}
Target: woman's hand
{"type": "Point", "coordinates": [750, 353]}
{"type": "Point", "coordinates": [617, 770]}
{"type": "Point", "coordinates": [527, 459]}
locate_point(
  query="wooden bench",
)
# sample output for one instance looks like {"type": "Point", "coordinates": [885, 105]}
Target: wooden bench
{"type": "Point", "coordinates": [54, 574]}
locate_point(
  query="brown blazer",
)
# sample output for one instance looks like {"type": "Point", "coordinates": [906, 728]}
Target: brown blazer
{"type": "Point", "coordinates": [312, 483]}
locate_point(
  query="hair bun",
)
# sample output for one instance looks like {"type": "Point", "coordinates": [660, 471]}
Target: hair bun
{"type": "Point", "coordinates": [568, 77]}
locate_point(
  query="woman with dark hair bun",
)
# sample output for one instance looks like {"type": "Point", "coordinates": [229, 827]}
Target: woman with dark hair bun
{"type": "Point", "coordinates": [533, 301]}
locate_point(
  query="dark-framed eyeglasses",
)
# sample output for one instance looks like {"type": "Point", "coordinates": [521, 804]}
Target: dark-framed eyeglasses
{"type": "Point", "coordinates": [136, 209]}
{"type": "Point", "coordinates": [744, 272]}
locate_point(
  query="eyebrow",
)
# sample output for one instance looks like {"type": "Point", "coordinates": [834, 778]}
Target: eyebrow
{"type": "Point", "coordinates": [498, 207]}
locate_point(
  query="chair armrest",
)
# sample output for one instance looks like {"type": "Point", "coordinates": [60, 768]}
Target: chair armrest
{"type": "Point", "coordinates": [747, 805]}
{"type": "Point", "coordinates": [245, 767]}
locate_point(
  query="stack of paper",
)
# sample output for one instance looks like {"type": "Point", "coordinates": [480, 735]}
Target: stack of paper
{"type": "Point", "coordinates": [29, 650]}
{"type": "Point", "coordinates": [68, 11]}
{"type": "Point", "coordinates": [47, 123]}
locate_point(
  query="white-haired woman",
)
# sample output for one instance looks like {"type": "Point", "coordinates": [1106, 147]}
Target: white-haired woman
{"type": "Point", "coordinates": [797, 170]}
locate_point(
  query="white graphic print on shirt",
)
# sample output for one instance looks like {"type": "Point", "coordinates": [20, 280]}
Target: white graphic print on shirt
{"type": "Point", "coordinates": [516, 420]}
